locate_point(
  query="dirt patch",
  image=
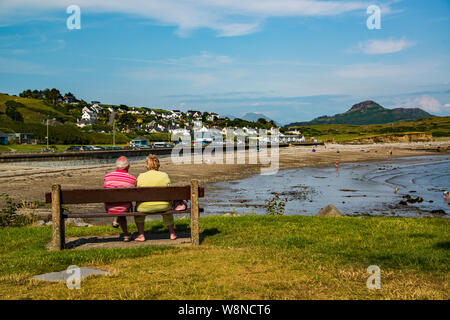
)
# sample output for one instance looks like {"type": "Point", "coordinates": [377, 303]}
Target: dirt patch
{"type": "Point", "coordinates": [103, 242]}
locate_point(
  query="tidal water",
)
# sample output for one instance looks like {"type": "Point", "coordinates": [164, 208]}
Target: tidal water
{"type": "Point", "coordinates": [364, 188]}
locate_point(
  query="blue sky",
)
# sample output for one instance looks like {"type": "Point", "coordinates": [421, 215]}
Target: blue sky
{"type": "Point", "coordinates": [291, 60]}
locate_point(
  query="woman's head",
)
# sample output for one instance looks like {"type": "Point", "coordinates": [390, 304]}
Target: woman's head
{"type": "Point", "coordinates": [152, 162]}
{"type": "Point", "coordinates": [122, 163]}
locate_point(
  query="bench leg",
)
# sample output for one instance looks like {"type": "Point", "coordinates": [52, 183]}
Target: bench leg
{"type": "Point", "coordinates": [195, 233]}
{"type": "Point", "coordinates": [58, 230]}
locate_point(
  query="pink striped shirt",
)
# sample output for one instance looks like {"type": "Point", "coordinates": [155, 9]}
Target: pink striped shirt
{"type": "Point", "coordinates": [119, 179]}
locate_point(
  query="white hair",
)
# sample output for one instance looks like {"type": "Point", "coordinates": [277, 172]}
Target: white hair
{"type": "Point", "coordinates": [122, 163]}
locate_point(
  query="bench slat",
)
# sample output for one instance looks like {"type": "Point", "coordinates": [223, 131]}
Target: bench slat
{"type": "Point", "coordinates": [127, 214]}
{"type": "Point", "coordinates": [78, 196]}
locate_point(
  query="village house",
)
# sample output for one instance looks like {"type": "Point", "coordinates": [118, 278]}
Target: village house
{"type": "Point", "coordinates": [139, 142]}
{"type": "Point", "coordinates": [3, 138]}
{"type": "Point", "coordinates": [212, 116]}
{"type": "Point", "coordinates": [69, 100]}
{"type": "Point", "coordinates": [293, 131]}
{"type": "Point", "coordinates": [193, 114]}
{"type": "Point", "coordinates": [20, 138]}
{"type": "Point", "coordinates": [250, 131]}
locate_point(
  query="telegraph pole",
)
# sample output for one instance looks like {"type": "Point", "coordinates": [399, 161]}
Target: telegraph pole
{"type": "Point", "coordinates": [114, 133]}
{"type": "Point", "coordinates": [47, 134]}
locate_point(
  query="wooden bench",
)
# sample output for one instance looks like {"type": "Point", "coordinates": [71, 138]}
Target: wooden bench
{"type": "Point", "coordinates": [58, 197]}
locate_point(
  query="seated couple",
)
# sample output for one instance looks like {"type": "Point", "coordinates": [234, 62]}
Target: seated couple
{"type": "Point", "coordinates": [152, 178]}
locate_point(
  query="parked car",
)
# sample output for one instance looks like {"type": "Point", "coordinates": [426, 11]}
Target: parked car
{"type": "Point", "coordinates": [113, 148]}
{"type": "Point", "coordinates": [98, 148]}
{"type": "Point", "coordinates": [74, 148]}
{"type": "Point", "coordinates": [156, 145]}
{"type": "Point", "coordinates": [88, 148]}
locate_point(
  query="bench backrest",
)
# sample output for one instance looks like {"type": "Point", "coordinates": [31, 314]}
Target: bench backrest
{"type": "Point", "coordinates": [78, 196]}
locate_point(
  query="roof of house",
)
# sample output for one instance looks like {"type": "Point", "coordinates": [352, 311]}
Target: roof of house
{"type": "Point", "coordinates": [139, 138]}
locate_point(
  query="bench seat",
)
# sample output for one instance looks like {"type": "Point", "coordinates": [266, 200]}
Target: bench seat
{"type": "Point", "coordinates": [126, 214]}
{"type": "Point", "coordinates": [59, 197]}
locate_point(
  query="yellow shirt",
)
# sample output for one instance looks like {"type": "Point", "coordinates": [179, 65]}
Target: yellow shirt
{"type": "Point", "coordinates": [153, 178]}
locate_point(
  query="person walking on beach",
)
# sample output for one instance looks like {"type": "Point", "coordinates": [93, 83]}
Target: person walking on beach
{"type": "Point", "coordinates": [155, 178]}
{"type": "Point", "coordinates": [120, 179]}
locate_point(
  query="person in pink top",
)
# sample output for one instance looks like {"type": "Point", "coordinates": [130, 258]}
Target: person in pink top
{"type": "Point", "coordinates": [120, 179]}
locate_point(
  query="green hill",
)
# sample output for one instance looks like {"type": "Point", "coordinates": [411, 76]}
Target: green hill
{"type": "Point", "coordinates": [368, 112]}
{"type": "Point", "coordinates": [438, 127]}
{"type": "Point", "coordinates": [19, 114]}
{"type": "Point", "coordinates": [34, 110]}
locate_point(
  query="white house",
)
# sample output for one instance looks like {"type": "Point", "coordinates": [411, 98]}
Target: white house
{"type": "Point", "coordinates": [250, 131]}
{"type": "Point", "coordinates": [96, 108]}
{"type": "Point", "coordinates": [212, 116]}
{"type": "Point", "coordinates": [293, 131]}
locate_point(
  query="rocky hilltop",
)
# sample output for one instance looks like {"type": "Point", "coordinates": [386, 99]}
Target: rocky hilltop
{"type": "Point", "coordinates": [368, 112]}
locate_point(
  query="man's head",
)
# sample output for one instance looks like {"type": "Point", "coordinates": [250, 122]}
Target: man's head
{"type": "Point", "coordinates": [122, 163]}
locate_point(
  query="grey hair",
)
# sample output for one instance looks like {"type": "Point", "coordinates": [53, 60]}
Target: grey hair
{"type": "Point", "coordinates": [122, 163]}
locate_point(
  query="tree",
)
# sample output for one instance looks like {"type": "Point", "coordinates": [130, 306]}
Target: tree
{"type": "Point", "coordinates": [26, 94]}
{"type": "Point", "coordinates": [11, 110]}
{"type": "Point", "coordinates": [262, 121]}
{"type": "Point", "coordinates": [126, 120]}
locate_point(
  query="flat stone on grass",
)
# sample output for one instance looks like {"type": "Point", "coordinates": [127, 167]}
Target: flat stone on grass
{"type": "Point", "coordinates": [63, 275]}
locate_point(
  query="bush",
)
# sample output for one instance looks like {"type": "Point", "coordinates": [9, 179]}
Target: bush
{"type": "Point", "coordinates": [9, 216]}
{"type": "Point", "coordinates": [440, 134]}
{"type": "Point", "coordinates": [11, 110]}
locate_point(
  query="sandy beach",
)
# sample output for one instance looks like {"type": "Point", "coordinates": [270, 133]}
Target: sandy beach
{"type": "Point", "coordinates": [30, 183]}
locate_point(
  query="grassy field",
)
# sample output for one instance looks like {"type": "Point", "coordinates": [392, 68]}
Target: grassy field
{"type": "Point", "coordinates": [36, 110]}
{"type": "Point", "coordinates": [249, 257]}
{"type": "Point", "coordinates": [438, 127]}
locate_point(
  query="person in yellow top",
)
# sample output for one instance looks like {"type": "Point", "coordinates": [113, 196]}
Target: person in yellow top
{"type": "Point", "coordinates": [154, 178]}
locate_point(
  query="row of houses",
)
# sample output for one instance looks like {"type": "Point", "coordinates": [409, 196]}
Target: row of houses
{"type": "Point", "coordinates": [89, 115]}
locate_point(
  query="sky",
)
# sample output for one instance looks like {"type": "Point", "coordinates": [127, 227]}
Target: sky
{"type": "Point", "coordinates": [291, 60]}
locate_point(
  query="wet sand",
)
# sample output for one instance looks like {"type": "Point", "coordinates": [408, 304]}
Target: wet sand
{"type": "Point", "coordinates": [30, 183]}
{"type": "Point", "coordinates": [402, 187]}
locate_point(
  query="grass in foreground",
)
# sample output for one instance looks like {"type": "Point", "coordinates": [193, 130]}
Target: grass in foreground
{"type": "Point", "coordinates": [250, 257]}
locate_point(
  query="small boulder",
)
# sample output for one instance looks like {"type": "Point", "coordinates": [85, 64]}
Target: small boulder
{"type": "Point", "coordinates": [40, 223]}
{"type": "Point", "coordinates": [329, 211]}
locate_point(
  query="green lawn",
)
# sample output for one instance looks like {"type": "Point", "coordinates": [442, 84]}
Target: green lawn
{"type": "Point", "coordinates": [249, 257]}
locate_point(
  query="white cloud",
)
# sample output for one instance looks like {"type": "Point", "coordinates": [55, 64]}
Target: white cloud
{"type": "Point", "coordinates": [426, 102]}
{"type": "Point", "coordinates": [384, 46]}
{"type": "Point", "coordinates": [226, 17]}
{"type": "Point", "coordinates": [447, 105]}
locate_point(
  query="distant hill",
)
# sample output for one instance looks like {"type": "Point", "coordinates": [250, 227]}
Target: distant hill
{"type": "Point", "coordinates": [253, 116]}
{"type": "Point", "coordinates": [368, 112]}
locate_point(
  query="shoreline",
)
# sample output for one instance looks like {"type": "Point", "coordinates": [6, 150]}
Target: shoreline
{"type": "Point", "coordinates": [363, 188]}
{"type": "Point", "coordinates": [29, 183]}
